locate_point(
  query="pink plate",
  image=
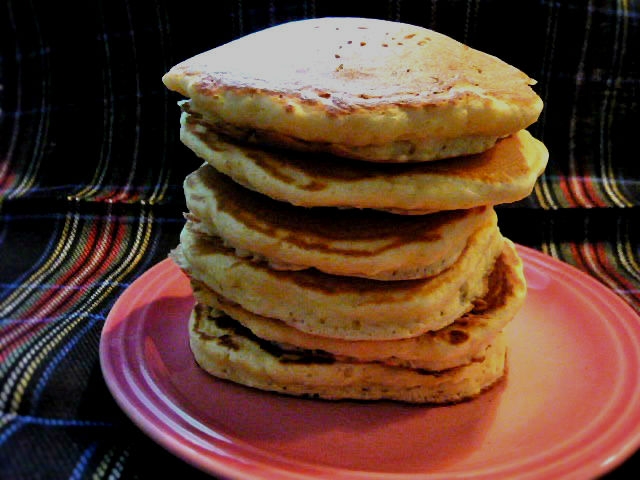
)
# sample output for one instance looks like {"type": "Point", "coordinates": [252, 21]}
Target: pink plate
{"type": "Point", "coordinates": [570, 405]}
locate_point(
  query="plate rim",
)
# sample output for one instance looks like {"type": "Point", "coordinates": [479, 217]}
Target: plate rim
{"type": "Point", "coordinates": [257, 467]}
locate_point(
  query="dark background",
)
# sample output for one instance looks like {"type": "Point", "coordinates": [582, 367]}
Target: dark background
{"type": "Point", "coordinates": [90, 156]}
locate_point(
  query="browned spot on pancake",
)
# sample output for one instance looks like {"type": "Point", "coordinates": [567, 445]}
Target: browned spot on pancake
{"type": "Point", "coordinates": [480, 305]}
{"type": "Point", "coordinates": [267, 163]}
{"type": "Point", "coordinates": [210, 135]}
{"type": "Point", "coordinates": [236, 329]}
{"type": "Point", "coordinates": [320, 228]}
{"type": "Point", "coordinates": [202, 314]}
{"type": "Point", "coordinates": [333, 284]}
{"type": "Point", "coordinates": [228, 342]}
{"type": "Point", "coordinates": [225, 322]}
{"type": "Point", "coordinates": [457, 337]}
{"type": "Point", "coordinates": [314, 171]}
{"type": "Point", "coordinates": [322, 282]}
{"type": "Point", "coordinates": [305, 357]}
{"type": "Point", "coordinates": [500, 288]}
{"type": "Point", "coordinates": [505, 161]}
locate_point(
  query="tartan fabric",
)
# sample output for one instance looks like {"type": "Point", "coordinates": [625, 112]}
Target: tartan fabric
{"type": "Point", "coordinates": [91, 173]}
{"type": "Point", "coordinates": [63, 270]}
{"type": "Point", "coordinates": [105, 71]}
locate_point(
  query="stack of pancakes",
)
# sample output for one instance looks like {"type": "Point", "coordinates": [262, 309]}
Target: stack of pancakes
{"type": "Point", "coordinates": [341, 239]}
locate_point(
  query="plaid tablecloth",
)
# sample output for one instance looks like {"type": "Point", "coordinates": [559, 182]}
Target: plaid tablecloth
{"type": "Point", "coordinates": [91, 173]}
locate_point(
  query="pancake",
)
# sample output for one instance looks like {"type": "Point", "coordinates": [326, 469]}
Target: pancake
{"type": "Point", "coordinates": [226, 350]}
{"type": "Point", "coordinates": [367, 243]}
{"type": "Point", "coordinates": [504, 174]}
{"type": "Point", "coordinates": [457, 344]}
{"type": "Point", "coordinates": [363, 88]}
{"type": "Point", "coordinates": [338, 306]}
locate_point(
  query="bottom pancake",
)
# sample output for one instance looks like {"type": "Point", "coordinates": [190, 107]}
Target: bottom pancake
{"type": "Point", "coordinates": [227, 350]}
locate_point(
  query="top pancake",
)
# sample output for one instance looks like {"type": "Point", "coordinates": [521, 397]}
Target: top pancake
{"type": "Point", "coordinates": [369, 89]}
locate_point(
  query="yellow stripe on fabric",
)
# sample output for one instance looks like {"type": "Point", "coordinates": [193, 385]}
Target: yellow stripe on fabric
{"type": "Point", "coordinates": [626, 286]}
{"type": "Point", "coordinates": [590, 256]}
{"type": "Point", "coordinates": [93, 261]}
{"type": "Point", "coordinates": [92, 187]}
{"type": "Point", "coordinates": [608, 178]}
{"type": "Point", "coordinates": [118, 467]}
{"type": "Point", "coordinates": [16, 298]}
{"type": "Point", "coordinates": [543, 188]}
{"type": "Point", "coordinates": [40, 139]}
{"type": "Point", "coordinates": [135, 151]}
{"type": "Point", "coordinates": [160, 189]}
{"type": "Point", "coordinates": [550, 248]}
{"type": "Point", "coordinates": [46, 341]}
{"type": "Point", "coordinates": [126, 265]}
{"type": "Point", "coordinates": [23, 359]}
{"type": "Point", "coordinates": [162, 183]}
{"type": "Point", "coordinates": [103, 466]}
{"type": "Point", "coordinates": [543, 194]}
{"type": "Point", "coordinates": [6, 418]}
{"type": "Point", "coordinates": [627, 256]}
{"type": "Point", "coordinates": [575, 176]}
{"type": "Point", "coordinates": [28, 365]}
{"type": "Point", "coordinates": [43, 347]}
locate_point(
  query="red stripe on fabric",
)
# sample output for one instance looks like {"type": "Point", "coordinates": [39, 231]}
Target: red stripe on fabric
{"type": "Point", "coordinates": [592, 192]}
{"type": "Point", "coordinates": [38, 308]}
{"type": "Point", "coordinates": [19, 336]}
{"type": "Point", "coordinates": [567, 192]}
{"type": "Point", "coordinates": [604, 271]}
{"type": "Point", "coordinates": [103, 252]}
{"type": "Point", "coordinates": [582, 192]}
{"type": "Point", "coordinates": [100, 259]}
{"type": "Point", "coordinates": [625, 287]}
{"type": "Point", "coordinates": [76, 274]}
{"type": "Point", "coordinates": [576, 258]}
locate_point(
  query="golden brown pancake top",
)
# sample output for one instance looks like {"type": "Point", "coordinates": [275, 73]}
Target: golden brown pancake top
{"type": "Point", "coordinates": [358, 82]}
{"type": "Point", "coordinates": [509, 159]}
{"type": "Point", "coordinates": [322, 228]}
